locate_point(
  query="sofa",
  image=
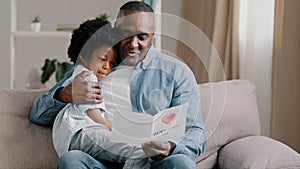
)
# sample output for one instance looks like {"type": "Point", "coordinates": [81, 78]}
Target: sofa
{"type": "Point", "coordinates": [230, 116]}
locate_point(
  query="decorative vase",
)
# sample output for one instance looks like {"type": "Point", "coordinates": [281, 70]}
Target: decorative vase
{"type": "Point", "coordinates": [36, 26]}
{"type": "Point", "coordinates": [33, 80]}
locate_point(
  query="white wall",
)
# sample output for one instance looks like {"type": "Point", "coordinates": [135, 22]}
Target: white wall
{"type": "Point", "coordinates": [31, 52]}
{"type": "Point", "coordinates": [4, 41]}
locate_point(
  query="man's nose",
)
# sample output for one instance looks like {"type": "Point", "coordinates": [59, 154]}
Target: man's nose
{"type": "Point", "coordinates": [134, 42]}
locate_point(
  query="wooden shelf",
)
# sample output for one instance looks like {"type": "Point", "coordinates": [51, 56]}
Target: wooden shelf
{"type": "Point", "coordinates": [42, 34]}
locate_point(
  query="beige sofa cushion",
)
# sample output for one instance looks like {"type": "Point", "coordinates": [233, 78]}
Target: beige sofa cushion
{"type": "Point", "coordinates": [258, 152]}
{"type": "Point", "coordinates": [23, 144]}
{"type": "Point", "coordinates": [229, 112]}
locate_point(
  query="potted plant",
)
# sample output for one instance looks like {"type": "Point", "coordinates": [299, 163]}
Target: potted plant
{"type": "Point", "coordinates": [36, 24]}
{"type": "Point", "coordinates": [103, 16]}
{"type": "Point", "coordinates": [51, 66]}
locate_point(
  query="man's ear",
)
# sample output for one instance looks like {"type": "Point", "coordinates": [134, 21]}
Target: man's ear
{"type": "Point", "coordinates": [153, 38]}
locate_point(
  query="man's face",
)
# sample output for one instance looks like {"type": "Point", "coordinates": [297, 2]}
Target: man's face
{"type": "Point", "coordinates": [137, 33]}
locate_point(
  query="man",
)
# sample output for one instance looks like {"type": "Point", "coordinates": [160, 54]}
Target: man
{"type": "Point", "coordinates": [158, 82]}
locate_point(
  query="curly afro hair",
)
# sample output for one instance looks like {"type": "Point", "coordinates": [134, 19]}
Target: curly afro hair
{"type": "Point", "coordinates": [91, 35]}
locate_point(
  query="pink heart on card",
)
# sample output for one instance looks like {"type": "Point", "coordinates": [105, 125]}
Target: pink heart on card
{"type": "Point", "coordinates": [168, 118]}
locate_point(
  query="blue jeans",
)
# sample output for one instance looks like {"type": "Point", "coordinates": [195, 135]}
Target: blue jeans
{"type": "Point", "coordinates": [95, 141]}
{"type": "Point", "coordinates": [79, 160]}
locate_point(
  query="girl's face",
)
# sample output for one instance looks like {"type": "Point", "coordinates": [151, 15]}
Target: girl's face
{"type": "Point", "coordinates": [101, 61]}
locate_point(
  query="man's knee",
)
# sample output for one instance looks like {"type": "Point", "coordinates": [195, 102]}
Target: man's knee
{"type": "Point", "coordinates": [182, 161]}
{"type": "Point", "coordinates": [177, 161]}
{"type": "Point", "coordinates": [72, 159]}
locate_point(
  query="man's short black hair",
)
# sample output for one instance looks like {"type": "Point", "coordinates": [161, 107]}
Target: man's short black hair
{"type": "Point", "coordinates": [136, 6]}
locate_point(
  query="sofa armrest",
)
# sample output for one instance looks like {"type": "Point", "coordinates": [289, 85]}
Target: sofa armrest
{"type": "Point", "coordinates": [258, 152]}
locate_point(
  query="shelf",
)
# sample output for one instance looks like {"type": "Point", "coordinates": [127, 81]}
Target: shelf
{"type": "Point", "coordinates": [42, 34]}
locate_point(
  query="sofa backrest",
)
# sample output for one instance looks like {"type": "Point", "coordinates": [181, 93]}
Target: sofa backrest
{"type": "Point", "coordinates": [23, 144]}
{"type": "Point", "coordinates": [230, 112]}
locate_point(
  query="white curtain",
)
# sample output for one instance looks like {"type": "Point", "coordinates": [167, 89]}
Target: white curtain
{"type": "Point", "coordinates": [256, 48]}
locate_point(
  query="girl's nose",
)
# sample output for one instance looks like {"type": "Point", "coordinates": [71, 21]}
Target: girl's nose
{"type": "Point", "coordinates": [106, 65]}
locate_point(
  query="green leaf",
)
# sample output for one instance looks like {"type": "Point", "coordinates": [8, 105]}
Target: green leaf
{"type": "Point", "coordinates": [48, 69]}
{"type": "Point", "coordinates": [61, 69]}
{"type": "Point", "coordinates": [104, 16]}
{"type": "Point", "coordinates": [36, 19]}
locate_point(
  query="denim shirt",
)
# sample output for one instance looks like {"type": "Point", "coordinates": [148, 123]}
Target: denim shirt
{"type": "Point", "coordinates": [158, 82]}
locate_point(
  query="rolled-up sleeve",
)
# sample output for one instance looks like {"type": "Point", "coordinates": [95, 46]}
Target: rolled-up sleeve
{"type": "Point", "coordinates": [44, 107]}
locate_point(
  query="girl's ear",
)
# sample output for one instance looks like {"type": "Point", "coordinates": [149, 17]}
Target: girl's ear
{"type": "Point", "coordinates": [82, 60]}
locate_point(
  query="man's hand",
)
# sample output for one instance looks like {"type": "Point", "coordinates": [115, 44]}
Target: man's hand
{"type": "Point", "coordinates": [80, 91]}
{"type": "Point", "coordinates": [157, 150]}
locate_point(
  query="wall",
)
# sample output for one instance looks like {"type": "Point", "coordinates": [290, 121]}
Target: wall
{"type": "Point", "coordinates": [4, 41]}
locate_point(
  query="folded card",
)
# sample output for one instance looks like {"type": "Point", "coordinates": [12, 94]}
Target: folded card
{"type": "Point", "coordinates": [137, 128]}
